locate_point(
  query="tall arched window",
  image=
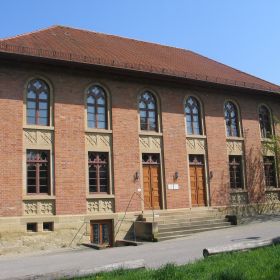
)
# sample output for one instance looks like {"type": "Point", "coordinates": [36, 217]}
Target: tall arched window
{"type": "Point", "coordinates": [96, 108]}
{"type": "Point", "coordinates": [231, 118]}
{"type": "Point", "coordinates": [193, 117]}
{"type": "Point", "coordinates": [38, 103]}
{"type": "Point", "coordinates": [265, 122]}
{"type": "Point", "coordinates": [148, 112]}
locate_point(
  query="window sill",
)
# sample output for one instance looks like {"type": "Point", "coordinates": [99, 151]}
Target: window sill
{"type": "Point", "coordinates": [235, 138]}
{"type": "Point", "coordinates": [38, 197]}
{"type": "Point", "coordinates": [238, 191]}
{"type": "Point", "coordinates": [266, 140]}
{"type": "Point", "coordinates": [272, 189]}
{"type": "Point", "coordinates": [149, 133]}
{"type": "Point", "coordinates": [38, 127]}
{"type": "Point", "coordinates": [98, 130]}
{"type": "Point", "coordinates": [196, 136]}
{"type": "Point", "coordinates": [99, 195]}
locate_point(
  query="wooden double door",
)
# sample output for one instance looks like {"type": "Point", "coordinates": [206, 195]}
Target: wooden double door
{"type": "Point", "coordinates": [151, 181]}
{"type": "Point", "coordinates": [197, 178]}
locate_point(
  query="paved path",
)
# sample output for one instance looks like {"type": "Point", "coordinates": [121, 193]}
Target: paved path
{"type": "Point", "coordinates": [177, 251]}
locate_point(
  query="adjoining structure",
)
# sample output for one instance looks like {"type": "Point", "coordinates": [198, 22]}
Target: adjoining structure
{"type": "Point", "coordinates": [95, 125]}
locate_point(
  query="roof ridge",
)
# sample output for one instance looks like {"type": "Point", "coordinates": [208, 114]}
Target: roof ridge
{"type": "Point", "coordinates": [28, 33]}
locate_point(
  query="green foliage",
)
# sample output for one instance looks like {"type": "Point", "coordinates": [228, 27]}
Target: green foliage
{"type": "Point", "coordinates": [257, 264]}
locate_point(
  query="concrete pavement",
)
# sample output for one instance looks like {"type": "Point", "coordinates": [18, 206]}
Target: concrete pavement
{"type": "Point", "coordinates": [179, 251]}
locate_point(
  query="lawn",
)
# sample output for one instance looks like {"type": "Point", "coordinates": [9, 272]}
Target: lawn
{"type": "Point", "coordinates": [257, 264]}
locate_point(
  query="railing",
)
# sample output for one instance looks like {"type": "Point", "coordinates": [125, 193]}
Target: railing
{"type": "Point", "coordinates": [127, 207]}
{"type": "Point", "coordinates": [84, 223]}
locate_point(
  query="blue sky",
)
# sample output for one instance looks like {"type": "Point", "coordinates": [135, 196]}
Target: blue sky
{"type": "Point", "coordinates": [244, 34]}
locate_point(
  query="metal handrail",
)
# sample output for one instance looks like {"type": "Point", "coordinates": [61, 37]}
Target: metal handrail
{"type": "Point", "coordinates": [134, 193]}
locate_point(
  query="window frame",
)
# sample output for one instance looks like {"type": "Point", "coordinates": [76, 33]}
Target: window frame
{"type": "Point", "coordinates": [36, 100]}
{"type": "Point", "coordinates": [96, 106]}
{"type": "Point", "coordinates": [37, 163]}
{"type": "Point", "coordinates": [199, 114]}
{"type": "Point", "coordinates": [265, 136]}
{"type": "Point", "coordinates": [100, 223]}
{"type": "Point", "coordinates": [98, 185]}
{"type": "Point", "coordinates": [238, 120]}
{"type": "Point", "coordinates": [275, 175]}
{"type": "Point", "coordinates": [156, 111]}
{"type": "Point", "coordinates": [241, 170]}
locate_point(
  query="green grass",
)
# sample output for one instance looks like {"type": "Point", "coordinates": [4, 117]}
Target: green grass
{"type": "Point", "coordinates": [257, 264]}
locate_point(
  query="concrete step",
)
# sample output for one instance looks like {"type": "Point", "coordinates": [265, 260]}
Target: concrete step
{"type": "Point", "coordinates": [179, 234]}
{"type": "Point", "coordinates": [182, 213]}
{"type": "Point", "coordinates": [191, 227]}
{"type": "Point", "coordinates": [184, 219]}
{"type": "Point", "coordinates": [191, 224]}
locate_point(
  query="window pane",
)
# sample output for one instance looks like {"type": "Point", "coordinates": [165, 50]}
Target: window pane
{"type": "Point", "coordinates": [43, 113]}
{"type": "Point", "coordinates": [101, 110]}
{"type": "Point", "coordinates": [96, 233]}
{"type": "Point", "coordinates": [31, 105]}
{"type": "Point", "coordinates": [91, 109]}
{"type": "Point", "coordinates": [43, 121]}
{"type": "Point", "coordinates": [101, 101]}
{"type": "Point", "coordinates": [31, 94]}
{"type": "Point", "coordinates": [31, 113]}
{"type": "Point", "coordinates": [101, 124]}
{"type": "Point", "coordinates": [105, 233]}
{"type": "Point", "coordinates": [43, 105]}
{"type": "Point", "coordinates": [43, 95]}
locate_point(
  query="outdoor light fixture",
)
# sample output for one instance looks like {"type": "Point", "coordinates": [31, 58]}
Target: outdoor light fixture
{"type": "Point", "coordinates": [210, 175]}
{"type": "Point", "coordinates": [176, 175]}
{"type": "Point", "coordinates": [136, 176]}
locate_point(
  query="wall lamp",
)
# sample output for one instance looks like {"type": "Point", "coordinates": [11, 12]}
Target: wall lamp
{"type": "Point", "coordinates": [210, 175]}
{"type": "Point", "coordinates": [136, 176]}
{"type": "Point", "coordinates": [176, 175]}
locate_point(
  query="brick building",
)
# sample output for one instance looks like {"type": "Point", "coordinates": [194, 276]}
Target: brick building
{"type": "Point", "coordinates": [95, 125]}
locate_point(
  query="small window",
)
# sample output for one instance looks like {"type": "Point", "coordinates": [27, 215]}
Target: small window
{"type": "Point", "coordinates": [96, 108]}
{"type": "Point", "coordinates": [38, 103]}
{"type": "Point", "coordinates": [269, 172]}
{"type": "Point", "coordinates": [193, 117]}
{"type": "Point", "coordinates": [236, 172]}
{"type": "Point", "coordinates": [48, 226]}
{"type": "Point", "coordinates": [31, 227]}
{"type": "Point", "coordinates": [231, 119]}
{"type": "Point", "coordinates": [101, 232]}
{"type": "Point", "coordinates": [148, 112]}
{"type": "Point", "coordinates": [37, 165]}
{"type": "Point", "coordinates": [265, 122]}
{"type": "Point", "coordinates": [98, 170]}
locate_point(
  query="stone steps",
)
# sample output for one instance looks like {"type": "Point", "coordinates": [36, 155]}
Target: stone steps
{"type": "Point", "coordinates": [180, 223]}
{"type": "Point", "coordinates": [175, 226]}
{"type": "Point", "coordinates": [184, 233]}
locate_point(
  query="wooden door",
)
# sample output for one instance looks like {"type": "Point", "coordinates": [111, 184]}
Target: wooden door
{"type": "Point", "coordinates": [197, 179]}
{"type": "Point", "coordinates": [151, 180]}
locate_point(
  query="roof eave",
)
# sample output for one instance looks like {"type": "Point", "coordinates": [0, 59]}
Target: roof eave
{"type": "Point", "coordinates": [195, 79]}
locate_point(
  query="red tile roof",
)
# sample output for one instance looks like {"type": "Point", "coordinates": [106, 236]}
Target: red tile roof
{"type": "Point", "coordinates": [70, 44]}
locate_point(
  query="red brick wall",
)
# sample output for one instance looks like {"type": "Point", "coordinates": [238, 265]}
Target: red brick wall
{"type": "Point", "coordinates": [69, 143]}
{"type": "Point", "coordinates": [69, 147]}
{"type": "Point", "coordinates": [216, 142]}
{"type": "Point", "coordinates": [126, 157]}
{"type": "Point", "coordinates": [253, 159]}
{"type": "Point", "coordinates": [11, 139]}
{"type": "Point", "coordinates": [174, 147]}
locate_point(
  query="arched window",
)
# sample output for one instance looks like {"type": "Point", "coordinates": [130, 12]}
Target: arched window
{"type": "Point", "coordinates": [193, 117]}
{"type": "Point", "coordinates": [231, 118]}
{"type": "Point", "coordinates": [148, 112]}
{"type": "Point", "coordinates": [265, 122]}
{"type": "Point", "coordinates": [96, 108]}
{"type": "Point", "coordinates": [38, 103]}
